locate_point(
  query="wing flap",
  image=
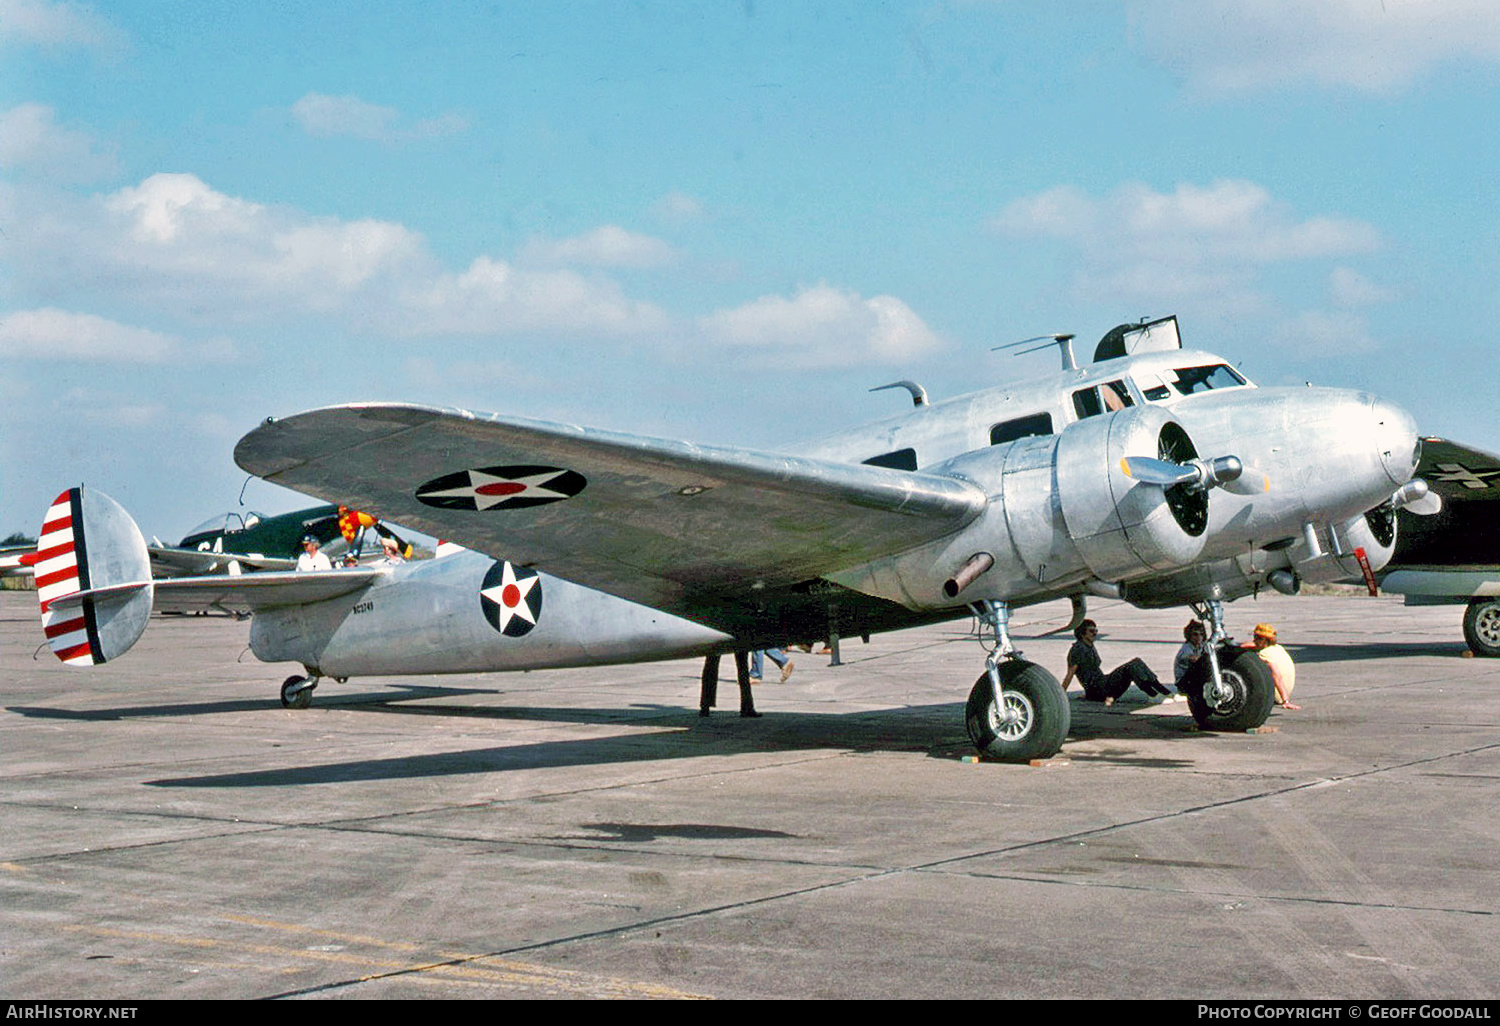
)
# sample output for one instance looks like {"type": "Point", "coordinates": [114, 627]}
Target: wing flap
{"type": "Point", "coordinates": [653, 520]}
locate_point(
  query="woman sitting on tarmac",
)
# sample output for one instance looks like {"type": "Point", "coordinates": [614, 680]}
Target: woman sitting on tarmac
{"type": "Point", "coordinates": [1084, 663]}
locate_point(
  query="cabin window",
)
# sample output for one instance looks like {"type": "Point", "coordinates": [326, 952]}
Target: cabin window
{"type": "Point", "coordinates": [1021, 427]}
{"type": "Point", "coordinates": [901, 459]}
{"type": "Point", "coordinates": [1188, 380]}
{"type": "Point", "coordinates": [1108, 397]}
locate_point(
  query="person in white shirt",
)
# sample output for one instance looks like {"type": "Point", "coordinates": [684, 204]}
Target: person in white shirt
{"type": "Point", "coordinates": [311, 558]}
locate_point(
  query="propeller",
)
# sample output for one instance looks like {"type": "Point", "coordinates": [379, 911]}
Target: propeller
{"type": "Point", "coordinates": [1198, 475]}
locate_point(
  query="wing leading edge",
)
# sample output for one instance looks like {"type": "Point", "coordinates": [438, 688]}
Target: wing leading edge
{"type": "Point", "coordinates": [679, 527]}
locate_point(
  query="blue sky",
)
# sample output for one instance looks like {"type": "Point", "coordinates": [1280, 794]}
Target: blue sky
{"type": "Point", "coordinates": [716, 221]}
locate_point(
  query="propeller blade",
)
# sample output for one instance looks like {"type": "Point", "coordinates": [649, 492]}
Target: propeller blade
{"type": "Point", "coordinates": [1158, 472]}
{"type": "Point", "coordinates": [1223, 471]}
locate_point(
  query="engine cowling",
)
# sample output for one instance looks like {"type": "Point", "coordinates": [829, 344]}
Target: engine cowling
{"type": "Point", "coordinates": [1062, 511]}
{"type": "Point", "coordinates": [1122, 527]}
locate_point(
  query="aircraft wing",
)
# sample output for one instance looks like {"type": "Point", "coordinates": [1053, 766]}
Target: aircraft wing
{"type": "Point", "coordinates": [1465, 534]}
{"type": "Point", "coordinates": [675, 526]}
{"type": "Point", "coordinates": [170, 561]}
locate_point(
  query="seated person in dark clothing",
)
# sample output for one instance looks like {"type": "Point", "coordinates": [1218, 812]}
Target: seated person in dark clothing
{"type": "Point", "coordinates": [1084, 663]}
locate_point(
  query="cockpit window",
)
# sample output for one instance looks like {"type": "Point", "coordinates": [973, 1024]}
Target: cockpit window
{"type": "Point", "coordinates": [223, 523]}
{"type": "Point", "coordinates": [1188, 380]}
{"type": "Point", "coordinates": [1152, 388]}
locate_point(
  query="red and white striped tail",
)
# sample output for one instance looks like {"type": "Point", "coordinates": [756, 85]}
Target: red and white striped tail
{"type": "Point", "coordinates": [62, 570]}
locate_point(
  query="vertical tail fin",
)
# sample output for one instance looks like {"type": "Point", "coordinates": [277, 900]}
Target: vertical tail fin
{"type": "Point", "coordinates": [93, 578]}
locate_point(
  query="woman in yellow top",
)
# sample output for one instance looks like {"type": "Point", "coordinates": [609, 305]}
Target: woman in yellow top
{"type": "Point", "coordinates": [1282, 671]}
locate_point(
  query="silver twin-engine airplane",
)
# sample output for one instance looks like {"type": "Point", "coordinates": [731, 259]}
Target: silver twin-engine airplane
{"type": "Point", "coordinates": [1154, 474]}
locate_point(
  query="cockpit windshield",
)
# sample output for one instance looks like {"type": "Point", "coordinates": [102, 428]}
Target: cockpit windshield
{"type": "Point", "coordinates": [1188, 380]}
{"type": "Point", "coordinates": [224, 523]}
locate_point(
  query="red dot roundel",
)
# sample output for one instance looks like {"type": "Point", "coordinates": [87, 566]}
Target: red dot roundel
{"type": "Point", "coordinates": [511, 598]}
{"type": "Point", "coordinates": [498, 488]}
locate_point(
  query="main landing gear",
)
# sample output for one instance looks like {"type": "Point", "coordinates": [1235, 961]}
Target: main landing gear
{"type": "Point", "coordinates": [1482, 626]}
{"type": "Point", "coordinates": [1017, 710]}
{"type": "Point", "coordinates": [1231, 690]}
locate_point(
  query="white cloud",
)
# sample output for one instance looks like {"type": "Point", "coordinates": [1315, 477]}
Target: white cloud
{"type": "Point", "coordinates": [1377, 46]}
{"type": "Point", "coordinates": [822, 326]}
{"type": "Point", "coordinates": [323, 115]}
{"type": "Point", "coordinates": [1201, 244]}
{"type": "Point", "coordinates": [495, 297]}
{"type": "Point", "coordinates": [606, 246]}
{"type": "Point", "coordinates": [176, 244]}
{"type": "Point", "coordinates": [58, 26]}
{"type": "Point", "coordinates": [32, 141]}
{"type": "Point", "coordinates": [443, 377]}
{"type": "Point", "coordinates": [1350, 289]}
{"type": "Point", "coordinates": [110, 410]}
{"type": "Point", "coordinates": [59, 335]}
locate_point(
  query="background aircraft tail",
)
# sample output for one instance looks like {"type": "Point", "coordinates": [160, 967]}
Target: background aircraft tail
{"type": "Point", "coordinates": [93, 578]}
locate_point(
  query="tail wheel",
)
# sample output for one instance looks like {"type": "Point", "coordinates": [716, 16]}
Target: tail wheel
{"type": "Point", "coordinates": [296, 692]}
{"type": "Point", "coordinates": [1031, 720]}
{"type": "Point", "coordinates": [1482, 626]}
{"type": "Point", "coordinates": [1251, 691]}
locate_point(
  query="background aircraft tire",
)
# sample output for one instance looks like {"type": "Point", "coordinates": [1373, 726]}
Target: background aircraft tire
{"type": "Point", "coordinates": [295, 700]}
{"type": "Point", "coordinates": [1041, 714]}
{"type": "Point", "coordinates": [1254, 692]}
{"type": "Point", "coordinates": [1482, 627]}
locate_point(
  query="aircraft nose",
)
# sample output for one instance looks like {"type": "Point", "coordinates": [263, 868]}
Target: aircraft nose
{"type": "Point", "coordinates": [1396, 440]}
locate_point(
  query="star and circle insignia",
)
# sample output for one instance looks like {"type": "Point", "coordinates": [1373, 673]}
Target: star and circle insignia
{"type": "Point", "coordinates": [491, 488]}
{"type": "Point", "coordinates": [511, 598]}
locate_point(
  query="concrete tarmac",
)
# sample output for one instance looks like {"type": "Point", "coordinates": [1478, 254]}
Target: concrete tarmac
{"type": "Point", "coordinates": [170, 831]}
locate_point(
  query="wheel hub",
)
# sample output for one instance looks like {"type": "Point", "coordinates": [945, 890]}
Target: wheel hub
{"type": "Point", "coordinates": [1228, 699]}
{"type": "Point", "coordinates": [1012, 718]}
{"type": "Point", "coordinates": [1487, 625]}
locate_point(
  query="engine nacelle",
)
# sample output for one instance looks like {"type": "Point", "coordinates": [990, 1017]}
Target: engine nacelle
{"type": "Point", "coordinates": [1122, 527]}
{"type": "Point", "coordinates": [1061, 511]}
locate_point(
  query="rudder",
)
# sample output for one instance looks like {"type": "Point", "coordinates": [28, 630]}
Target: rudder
{"type": "Point", "coordinates": [93, 578]}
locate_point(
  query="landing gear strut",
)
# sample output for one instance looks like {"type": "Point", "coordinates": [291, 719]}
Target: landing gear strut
{"type": "Point", "coordinates": [1016, 711]}
{"type": "Point", "coordinates": [1236, 690]}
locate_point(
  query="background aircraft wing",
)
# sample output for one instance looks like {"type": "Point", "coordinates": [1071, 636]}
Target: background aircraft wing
{"type": "Point", "coordinates": [1465, 534]}
{"type": "Point", "coordinates": [676, 526]}
{"type": "Point", "coordinates": [170, 561]}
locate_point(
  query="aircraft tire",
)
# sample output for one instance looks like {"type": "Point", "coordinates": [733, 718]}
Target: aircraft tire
{"type": "Point", "coordinates": [1254, 692]}
{"type": "Point", "coordinates": [1482, 627]}
{"type": "Point", "coordinates": [295, 700]}
{"type": "Point", "coordinates": [1040, 711]}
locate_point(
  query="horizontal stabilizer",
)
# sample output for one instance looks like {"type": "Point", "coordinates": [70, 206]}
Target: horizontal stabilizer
{"type": "Point", "coordinates": [246, 593]}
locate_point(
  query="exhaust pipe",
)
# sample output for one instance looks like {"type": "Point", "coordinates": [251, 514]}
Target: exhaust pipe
{"type": "Point", "coordinates": [972, 568]}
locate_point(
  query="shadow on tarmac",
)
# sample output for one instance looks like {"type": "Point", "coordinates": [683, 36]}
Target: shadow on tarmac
{"type": "Point", "coordinates": [1374, 650]}
{"type": "Point", "coordinates": [932, 729]}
